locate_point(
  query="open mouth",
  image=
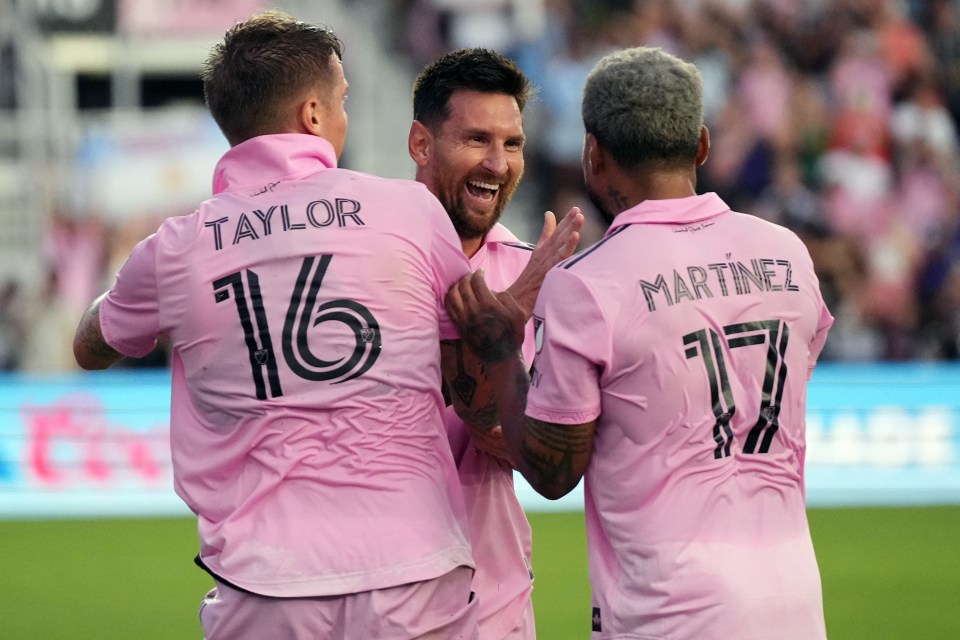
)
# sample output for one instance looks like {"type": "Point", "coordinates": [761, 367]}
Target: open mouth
{"type": "Point", "coordinates": [484, 191]}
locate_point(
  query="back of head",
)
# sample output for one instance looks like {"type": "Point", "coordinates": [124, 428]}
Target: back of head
{"type": "Point", "coordinates": [252, 80]}
{"type": "Point", "coordinates": [465, 69]}
{"type": "Point", "coordinates": [645, 107]}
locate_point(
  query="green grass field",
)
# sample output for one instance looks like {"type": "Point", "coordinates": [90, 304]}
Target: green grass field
{"type": "Point", "coordinates": [888, 574]}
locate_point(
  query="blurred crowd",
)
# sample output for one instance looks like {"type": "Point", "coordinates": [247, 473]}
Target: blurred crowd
{"type": "Point", "coordinates": [835, 118]}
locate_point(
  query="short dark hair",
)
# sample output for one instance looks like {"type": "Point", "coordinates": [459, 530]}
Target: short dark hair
{"type": "Point", "coordinates": [472, 69]}
{"type": "Point", "coordinates": [264, 63]}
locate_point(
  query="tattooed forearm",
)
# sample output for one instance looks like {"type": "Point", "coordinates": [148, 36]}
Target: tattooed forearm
{"type": "Point", "coordinates": [467, 384]}
{"type": "Point", "coordinates": [463, 384]}
{"type": "Point", "coordinates": [551, 457]}
{"type": "Point", "coordinates": [555, 455]}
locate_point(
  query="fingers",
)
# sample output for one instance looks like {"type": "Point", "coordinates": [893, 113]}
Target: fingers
{"type": "Point", "coordinates": [573, 219]}
{"type": "Point", "coordinates": [481, 292]}
{"type": "Point", "coordinates": [567, 235]}
{"type": "Point", "coordinates": [572, 223]}
{"type": "Point", "coordinates": [549, 227]}
{"type": "Point", "coordinates": [454, 302]}
{"type": "Point", "coordinates": [468, 297]}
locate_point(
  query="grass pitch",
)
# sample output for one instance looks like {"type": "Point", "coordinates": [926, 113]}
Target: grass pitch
{"type": "Point", "coordinates": [888, 574]}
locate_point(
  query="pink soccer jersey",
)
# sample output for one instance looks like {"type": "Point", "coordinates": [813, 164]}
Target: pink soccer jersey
{"type": "Point", "coordinates": [499, 532]}
{"type": "Point", "coordinates": [304, 304]}
{"type": "Point", "coordinates": [690, 330]}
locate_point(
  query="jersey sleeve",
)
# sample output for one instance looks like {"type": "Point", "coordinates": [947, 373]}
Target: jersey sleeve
{"type": "Point", "coordinates": [129, 314]}
{"type": "Point", "coordinates": [447, 260]}
{"type": "Point", "coordinates": [572, 341]}
{"type": "Point", "coordinates": [824, 322]}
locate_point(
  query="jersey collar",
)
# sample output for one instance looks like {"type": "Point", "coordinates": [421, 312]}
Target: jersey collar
{"type": "Point", "coordinates": [499, 234]}
{"type": "Point", "coordinates": [265, 159]}
{"type": "Point", "coordinates": [674, 211]}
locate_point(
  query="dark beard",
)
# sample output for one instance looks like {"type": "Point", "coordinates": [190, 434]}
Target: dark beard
{"type": "Point", "coordinates": [604, 212]}
{"type": "Point", "coordinates": [466, 228]}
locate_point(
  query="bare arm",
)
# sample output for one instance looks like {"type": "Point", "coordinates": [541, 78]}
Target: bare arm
{"type": "Point", "coordinates": [89, 347]}
{"type": "Point", "coordinates": [556, 244]}
{"type": "Point", "coordinates": [552, 457]}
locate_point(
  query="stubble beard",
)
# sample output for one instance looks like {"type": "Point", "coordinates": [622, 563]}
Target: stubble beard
{"type": "Point", "coordinates": [598, 204]}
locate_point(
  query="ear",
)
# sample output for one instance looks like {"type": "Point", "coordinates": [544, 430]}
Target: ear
{"type": "Point", "coordinates": [593, 155]}
{"type": "Point", "coordinates": [703, 147]}
{"type": "Point", "coordinates": [310, 116]}
{"type": "Point", "coordinates": [419, 143]}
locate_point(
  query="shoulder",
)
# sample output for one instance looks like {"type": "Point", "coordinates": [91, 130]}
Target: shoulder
{"type": "Point", "coordinates": [772, 235]}
{"type": "Point", "coordinates": [391, 185]}
{"type": "Point", "coordinates": [403, 193]}
{"type": "Point", "coordinates": [599, 251]}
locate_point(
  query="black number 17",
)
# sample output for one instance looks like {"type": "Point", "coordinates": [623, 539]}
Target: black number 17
{"type": "Point", "coordinates": [709, 345]}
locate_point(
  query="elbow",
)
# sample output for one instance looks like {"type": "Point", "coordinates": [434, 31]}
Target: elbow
{"type": "Point", "coordinates": [553, 489]}
{"type": "Point", "coordinates": [88, 359]}
{"type": "Point", "coordinates": [555, 492]}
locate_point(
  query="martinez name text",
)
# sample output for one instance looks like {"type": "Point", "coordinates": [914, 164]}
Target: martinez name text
{"type": "Point", "coordinates": [719, 278]}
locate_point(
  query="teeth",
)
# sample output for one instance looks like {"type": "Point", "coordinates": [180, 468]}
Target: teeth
{"type": "Point", "coordinates": [485, 185]}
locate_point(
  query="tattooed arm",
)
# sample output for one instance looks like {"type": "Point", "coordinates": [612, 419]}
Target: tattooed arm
{"type": "Point", "coordinates": [552, 457]}
{"type": "Point", "coordinates": [89, 347]}
{"type": "Point", "coordinates": [468, 390]}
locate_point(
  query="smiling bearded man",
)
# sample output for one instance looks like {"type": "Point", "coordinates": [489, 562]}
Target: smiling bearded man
{"type": "Point", "coordinates": [467, 141]}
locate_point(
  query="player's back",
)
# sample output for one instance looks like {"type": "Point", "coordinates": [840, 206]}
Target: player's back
{"type": "Point", "coordinates": [695, 498]}
{"type": "Point", "coordinates": [304, 311]}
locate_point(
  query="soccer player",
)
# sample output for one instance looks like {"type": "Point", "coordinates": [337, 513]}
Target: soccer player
{"type": "Point", "coordinates": [467, 142]}
{"type": "Point", "coordinates": [304, 305]}
{"type": "Point", "coordinates": [671, 371]}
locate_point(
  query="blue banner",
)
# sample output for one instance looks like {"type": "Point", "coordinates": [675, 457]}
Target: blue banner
{"type": "Point", "coordinates": [97, 444]}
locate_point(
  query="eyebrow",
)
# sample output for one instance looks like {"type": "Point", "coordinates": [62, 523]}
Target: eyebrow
{"type": "Point", "coordinates": [473, 131]}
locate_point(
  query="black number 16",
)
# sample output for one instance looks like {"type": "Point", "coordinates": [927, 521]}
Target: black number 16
{"type": "Point", "coordinates": [294, 341]}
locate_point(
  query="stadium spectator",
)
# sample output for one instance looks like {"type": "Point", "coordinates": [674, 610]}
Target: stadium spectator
{"type": "Point", "coordinates": [467, 142]}
{"type": "Point", "coordinates": [303, 303]}
{"type": "Point", "coordinates": [671, 370]}
{"type": "Point", "coordinates": [854, 65]}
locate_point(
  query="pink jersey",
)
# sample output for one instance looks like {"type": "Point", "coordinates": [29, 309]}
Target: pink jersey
{"type": "Point", "coordinates": [304, 304]}
{"type": "Point", "coordinates": [691, 331]}
{"type": "Point", "coordinates": [499, 532]}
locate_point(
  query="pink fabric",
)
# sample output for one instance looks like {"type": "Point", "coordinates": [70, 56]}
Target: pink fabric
{"type": "Point", "coordinates": [499, 532]}
{"type": "Point", "coordinates": [438, 609]}
{"type": "Point", "coordinates": [338, 478]}
{"type": "Point", "coordinates": [690, 536]}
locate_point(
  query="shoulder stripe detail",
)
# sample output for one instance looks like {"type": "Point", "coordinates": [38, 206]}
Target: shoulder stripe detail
{"type": "Point", "coordinates": [572, 260]}
{"type": "Point", "coordinates": [519, 245]}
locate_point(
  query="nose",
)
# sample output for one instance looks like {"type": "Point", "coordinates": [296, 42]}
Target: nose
{"type": "Point", "coordinates": [495, 161]}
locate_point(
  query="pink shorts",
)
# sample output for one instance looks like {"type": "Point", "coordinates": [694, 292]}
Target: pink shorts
{"type": "Point", "coordinates": [440, 609]}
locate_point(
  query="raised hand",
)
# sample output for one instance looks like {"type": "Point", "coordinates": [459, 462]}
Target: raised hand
{"type": "Point", "coordinates": [556, 243]}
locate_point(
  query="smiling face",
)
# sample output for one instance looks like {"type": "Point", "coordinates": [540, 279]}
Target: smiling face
{"type": "Point", "coordinates": [474, 160]}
